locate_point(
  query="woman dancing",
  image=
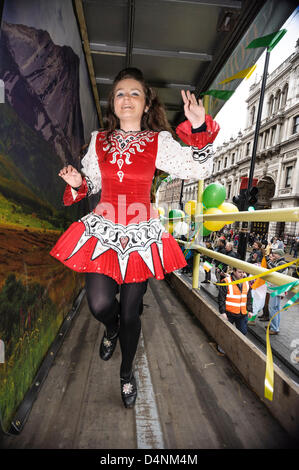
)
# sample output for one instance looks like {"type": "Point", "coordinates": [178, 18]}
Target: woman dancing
{"type": "Point", "coordinates": [121, 243]}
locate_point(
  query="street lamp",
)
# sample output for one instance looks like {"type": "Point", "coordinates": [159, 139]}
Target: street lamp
{"type": "Point", "coordinates": [250, 195]}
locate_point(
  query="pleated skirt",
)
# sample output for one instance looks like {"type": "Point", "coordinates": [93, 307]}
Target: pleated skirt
{"type": "Point", "coordinates": [137, 270]}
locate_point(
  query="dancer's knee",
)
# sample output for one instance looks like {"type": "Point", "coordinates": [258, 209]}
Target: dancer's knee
{"type": "Point", "coordinates": [130, 320]}
{"type": "Point", "coordinates": [101, 308]}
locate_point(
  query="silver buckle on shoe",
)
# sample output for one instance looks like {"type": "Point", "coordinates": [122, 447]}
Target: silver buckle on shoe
{"type": "Point", "coordinates": [127, 388]}
{"type": "Point", "coordinates": [107, 343]}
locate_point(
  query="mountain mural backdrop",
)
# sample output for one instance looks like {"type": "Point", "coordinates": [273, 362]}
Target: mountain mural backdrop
{"type": "Point", "coordinates": [41, 130]}
{"type": "Point", "coordinates": [42, 85]}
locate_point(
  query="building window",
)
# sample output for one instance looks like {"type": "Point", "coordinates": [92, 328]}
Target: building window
{"type": "Point", "coordinates": [233, 158]}
{"type": "Point", "coordinates": [252, 115]}
{"type": "Point", "coordinates": [229, 187]}
{"type": "Point", "coordinates": [247, 148]}
{"type": "Point", "coordinates": [267, 139]}
{"type": "Point", "coordinates": [277, 101]}
{"type": "Point", "coordinates": [296, 125]}
{"type": "Point", "coordinates": [272, 136]}
{"type": "Point", "coordinates": [225, 162]}
{"type": "Point", "coordinates": [288, 179]}
{"type": "Point", "coordinates": [270, 106]}
{"type": "Point", "coordinates": [260, 141]}
{"type": "Point", "coordinates": [218, 168]}
{"type": "Point", "coordinates": [284, 94]}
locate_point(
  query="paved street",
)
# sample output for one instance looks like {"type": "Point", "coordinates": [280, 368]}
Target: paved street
{"type": "Point", "coordinates": [189, 397]}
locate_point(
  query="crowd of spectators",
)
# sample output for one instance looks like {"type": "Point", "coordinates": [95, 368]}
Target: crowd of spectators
{"type": "Point", "coordinates": [271, 252]}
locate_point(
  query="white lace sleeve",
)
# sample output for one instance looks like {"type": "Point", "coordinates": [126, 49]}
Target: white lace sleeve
{"type": "Point", "coordinates": [183, 162]}
{"type": "Point", "coordinates": [90, 167]}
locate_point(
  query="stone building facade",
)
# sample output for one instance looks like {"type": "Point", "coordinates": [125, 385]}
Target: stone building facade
{"type": "Point", "coordinates": [169, 194]}
{"type": "Point", "coordinates": [277, 157]}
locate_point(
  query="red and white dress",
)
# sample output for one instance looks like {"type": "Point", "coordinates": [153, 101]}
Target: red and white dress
{"type": "Point", "coordinates": [123, 236]}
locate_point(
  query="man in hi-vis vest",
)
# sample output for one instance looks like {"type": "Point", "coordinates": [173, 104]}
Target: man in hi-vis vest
{"type": "Point", "coordinates": [235, 301]}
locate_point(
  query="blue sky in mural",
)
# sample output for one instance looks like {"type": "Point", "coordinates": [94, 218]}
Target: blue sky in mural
{"type": "Point", "coordinates": [48, 15]}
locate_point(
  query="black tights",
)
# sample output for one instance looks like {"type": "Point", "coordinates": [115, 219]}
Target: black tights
{"type": "Point", "coordinates": [101, 293]}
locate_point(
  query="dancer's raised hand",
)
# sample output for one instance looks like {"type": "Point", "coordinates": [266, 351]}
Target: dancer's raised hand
{"type": "Point", "coordinates": [194, 110]}
{"type": "Point", "coordinates": [71, 176]}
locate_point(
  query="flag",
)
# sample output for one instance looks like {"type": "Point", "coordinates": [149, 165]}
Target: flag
{"type": "Point", "coordinates": [207, 266]}
{"type": "Point", "coordinates": [221, 94]}
{"type": "Point", "coordinates": [245, 73]}
{"type": "Point", "coordinates": [168, 179]}
{"type": "Point", "coordinates": [260, 282]}
{"type": "Point", "coordinates": [269, 41]}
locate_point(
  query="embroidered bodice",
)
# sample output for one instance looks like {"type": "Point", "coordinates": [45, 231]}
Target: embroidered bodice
{"type": "Point", "coordinates": [123, 236]}
{"type": "Point", "coordinates": [127, 166]}
{"type": "Point", "coordinates": [123, 167]}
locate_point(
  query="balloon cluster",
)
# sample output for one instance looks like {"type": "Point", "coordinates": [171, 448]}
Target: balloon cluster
{"type": "Point", "coordinates": [213, 203]}
{"type": "Point", "coordinates": [175, 222]}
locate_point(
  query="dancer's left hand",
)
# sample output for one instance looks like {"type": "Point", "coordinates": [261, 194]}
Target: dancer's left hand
{"type": "Point", "coordinates": [194, 110]}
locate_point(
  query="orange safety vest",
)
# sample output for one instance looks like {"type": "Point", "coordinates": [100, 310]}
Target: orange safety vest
{"type": "Point", "coordinates": [236, 300]}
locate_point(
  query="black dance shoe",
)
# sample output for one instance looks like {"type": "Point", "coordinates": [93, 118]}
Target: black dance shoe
{"type": "Point", "coordinates": [108, 345]}
{"type": "Point", "coordinates": [128, 390]}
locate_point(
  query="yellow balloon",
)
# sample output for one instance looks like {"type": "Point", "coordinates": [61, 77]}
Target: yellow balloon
{"type": "Point", "coordinates": [228, 207]}
{"type": "Point", "coordinates": [190, 207]}
{"type": "Point", "coordinates": [161, 210]}
{"type": "Point", "coordinates": [214, 225]}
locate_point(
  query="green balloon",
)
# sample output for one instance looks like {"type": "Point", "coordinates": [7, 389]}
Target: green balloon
{"type": "Point", "coordinates": [175, 213]}
{"type": "Point", "coordinates": [204, 231]}
{"type": "Point", "coordinates": [213, 195]}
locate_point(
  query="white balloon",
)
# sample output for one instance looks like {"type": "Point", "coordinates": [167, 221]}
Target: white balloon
{"type": "Point", "coordinates": [181, 228]}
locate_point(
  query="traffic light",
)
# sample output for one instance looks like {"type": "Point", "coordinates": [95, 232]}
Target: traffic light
{"type": "Point", "coordinates": [240, 200]}
{"type": "Point", "coordinates": [252, 198]}
{"type": "Point", "coordinates": [246, 201]}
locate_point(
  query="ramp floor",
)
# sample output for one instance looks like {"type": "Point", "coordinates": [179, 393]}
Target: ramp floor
{"type": "Point", "coordinates": [189, 396]}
